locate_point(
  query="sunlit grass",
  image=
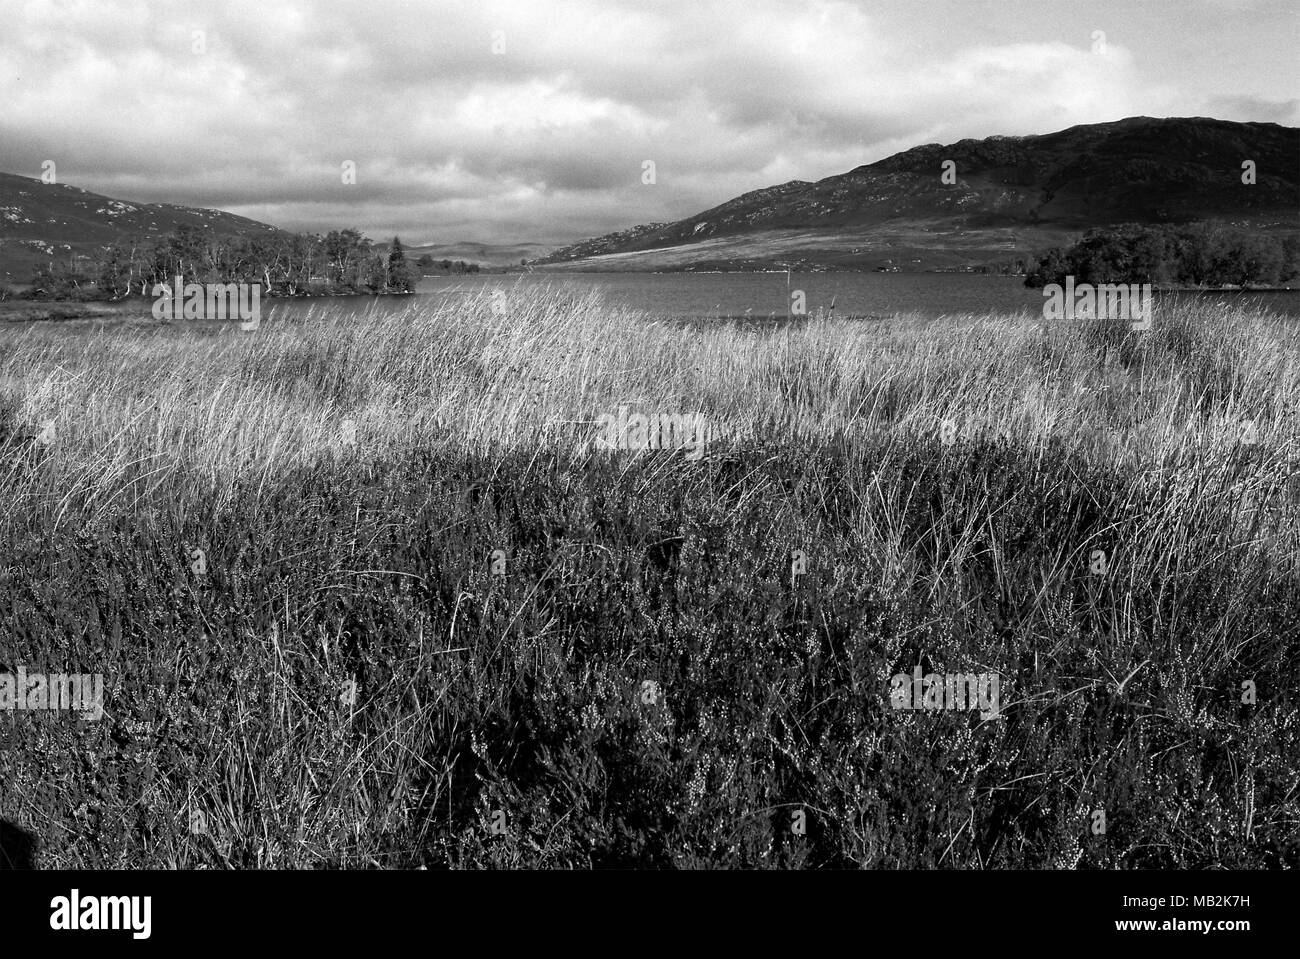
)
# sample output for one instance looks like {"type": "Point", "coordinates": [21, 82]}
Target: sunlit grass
{"type": "Point", "coordinates": [229, 404]}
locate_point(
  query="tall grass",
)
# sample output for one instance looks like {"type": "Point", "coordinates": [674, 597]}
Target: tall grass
{"type": "Point", "coordinates": [347, 478]}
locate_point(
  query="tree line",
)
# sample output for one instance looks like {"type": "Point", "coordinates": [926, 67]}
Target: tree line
{"type": "Point", "coordinates": [427, 262]}
{"type": "Point", "coordinates": [1197, 255]}
{"type": "Point", "coordinates": [341, 261]}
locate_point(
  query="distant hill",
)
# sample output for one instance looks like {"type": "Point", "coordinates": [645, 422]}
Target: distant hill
{"type": "Point", "coordinates": [1012, 197]}
{"type": "Point", "coordinates": [39, 221]}
{"type": "Point", "coordinates": [484, 254]}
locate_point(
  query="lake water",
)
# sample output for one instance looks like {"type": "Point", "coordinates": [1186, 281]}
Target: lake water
{"type": "Point", "coordinates": [761, 295]}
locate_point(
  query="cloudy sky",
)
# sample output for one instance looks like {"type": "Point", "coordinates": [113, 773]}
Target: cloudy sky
{"type": "Point", "coordinates": [531, 120]}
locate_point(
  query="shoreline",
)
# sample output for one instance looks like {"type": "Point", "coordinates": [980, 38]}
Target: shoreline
{"type": "Point", "coordinates": [19, 310]}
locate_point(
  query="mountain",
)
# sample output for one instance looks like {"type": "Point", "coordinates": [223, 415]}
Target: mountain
{"type": "Point", "coordinates": [39, 221]}
{"type": "Point", "coordinates": [1012, 197]}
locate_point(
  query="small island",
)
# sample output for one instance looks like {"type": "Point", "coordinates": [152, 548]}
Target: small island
{"type": "Point", "coordinates": [340, 263]}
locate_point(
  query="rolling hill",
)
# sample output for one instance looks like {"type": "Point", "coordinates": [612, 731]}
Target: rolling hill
{"type": "Point", "coordinates": [484, 254]}
{"type": "Point", "coordinates": [1011, 197]}
{"type": "Point", "coordinates": [39, 221]}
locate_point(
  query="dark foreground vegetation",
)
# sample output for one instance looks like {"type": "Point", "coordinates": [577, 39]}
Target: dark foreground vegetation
{"type": "Point", "coordinates": [325, 662]}
{"type": "Point", "coordinates": [525, 692]}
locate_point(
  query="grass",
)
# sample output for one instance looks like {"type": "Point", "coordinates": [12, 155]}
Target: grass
{"type": "Point", "coordinates": [278, 549]}
{"type": "Point", "coordinates": [27, 311]}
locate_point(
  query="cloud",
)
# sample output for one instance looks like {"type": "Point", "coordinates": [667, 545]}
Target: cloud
{"type": "Point", "coordinates": [517, 119]}
{"type": "Point", "coordinates": [1258, 109]}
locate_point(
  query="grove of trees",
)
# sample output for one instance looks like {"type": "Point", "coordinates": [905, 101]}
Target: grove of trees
{"type": "Point", "coordinates": [1196, 255]}
{"type": "Point", "coordinates": [427, 262]}
{"type": "Point", "coordinates": [342, 261]}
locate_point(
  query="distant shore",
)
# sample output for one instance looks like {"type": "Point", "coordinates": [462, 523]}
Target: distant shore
{"type": "Point", "coordinates": [19, 310]}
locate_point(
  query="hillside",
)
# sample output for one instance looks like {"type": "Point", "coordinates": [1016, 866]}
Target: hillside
{"type": "Point", "coordinates": [484, 254]}
{"type": "Point", "coordinates": [39, 221]}
{"type": "Point", "coordinates": [1012, 197]}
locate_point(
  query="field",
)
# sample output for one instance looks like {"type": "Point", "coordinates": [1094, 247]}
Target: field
{"type": "Point", "coordinates": [912, 244]}
{"type": "Point", "coordinates": [366, 592]}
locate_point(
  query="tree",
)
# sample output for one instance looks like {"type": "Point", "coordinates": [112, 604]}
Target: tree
{"type": "Point", "coordinates": [1200, 255]}
{"type": "Point", "coordinates": [113, 272]}
{"type": "Point", "coordinates": [1262, 260]}
{"type": "Point", "coordinates": [345, 253]}
{"type": "Point", "coordinates": [184, 251]}
{"type": "Point", "coordinates": [269, 262]}
{"type": "Point", "coordinates": [1290, 258]}
{"type": "Point", "coordinates": [400, 278]}
{"type": "Point", "coordinates": [1051, 267]}
{"type": "Point", "coordinates": [300, 254]}
{"type": "Point", "coordinates": [373, 273]}
{"type": "Point", "coordinates": [55, 280]}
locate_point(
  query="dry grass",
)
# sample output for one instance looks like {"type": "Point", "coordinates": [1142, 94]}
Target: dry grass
{"type": "Point", "coordinates": [229, 404]}
{"type": "Point", "coordinates": [948, 480]}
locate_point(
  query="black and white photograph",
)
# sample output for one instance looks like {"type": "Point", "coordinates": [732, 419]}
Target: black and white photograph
{"type": "Point", "coordinates": [852, 437]}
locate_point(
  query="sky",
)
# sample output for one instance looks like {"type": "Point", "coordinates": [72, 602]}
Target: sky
{"type": "Point", "coordinates": [533, 120]}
